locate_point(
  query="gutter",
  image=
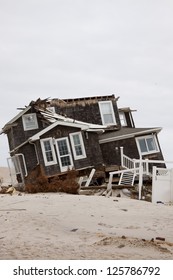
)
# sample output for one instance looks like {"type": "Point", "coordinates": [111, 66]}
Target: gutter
{"type": "Point", "coordinates": [21, 145]}
{"type": "Point", "coordinates": [30, 142]}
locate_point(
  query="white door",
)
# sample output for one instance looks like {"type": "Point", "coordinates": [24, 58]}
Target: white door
{"type": "Point", "coordinates": [64, 154]}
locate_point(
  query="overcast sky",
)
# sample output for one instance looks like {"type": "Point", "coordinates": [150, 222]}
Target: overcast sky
{"type": "Point", "coordinates": [78, 48]}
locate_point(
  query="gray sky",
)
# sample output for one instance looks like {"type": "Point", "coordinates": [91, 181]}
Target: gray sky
{"type": "Point", "coordinates": [78, 48]}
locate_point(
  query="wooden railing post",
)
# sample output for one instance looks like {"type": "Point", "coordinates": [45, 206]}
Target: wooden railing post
{"type": "Point", "coordinates": [122, 153]}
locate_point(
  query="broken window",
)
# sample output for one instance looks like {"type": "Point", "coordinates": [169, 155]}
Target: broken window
{"type": "Point", "coordinates": [147, 144]}
{"type": "Point", "coordinates": [77, 145]}
{"type": "Point", "coordinates": [48, 151]}
{"type": "Point", "coordinates": [107, 113]}
{"type": "Point", "coordinates": [30, 121]}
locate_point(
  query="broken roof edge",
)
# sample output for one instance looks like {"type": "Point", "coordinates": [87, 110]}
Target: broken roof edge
{"type": "Point", "coordinates": [126, 109]}
{"type": "Point", "coordinates": [130, 135]}
{"type": "Point", "coordinates": [86, 100]}
{"type": "Point", "coordinates": [49, 101]}
{"type": "Point", "coordinates": [53, 117]}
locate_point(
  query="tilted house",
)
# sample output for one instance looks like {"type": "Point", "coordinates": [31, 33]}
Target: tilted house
{"type": "Point", "coordinates": [121, 131]}
{"type": "Point", "coordinates": [80, 133]}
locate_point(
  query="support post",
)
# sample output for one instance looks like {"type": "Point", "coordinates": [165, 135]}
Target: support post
{"type": "Point", "coordinates": [109, 185]}
{"type": "Point", "coordinates": [171, 186]}
{"type": "Point", "coordinates": [140, 178]}
{"type": "Point", "coordinates": [122, 153]}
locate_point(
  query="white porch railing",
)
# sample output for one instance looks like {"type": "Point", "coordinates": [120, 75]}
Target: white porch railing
{"type": "Point", "coordinates": [129, 163]}
{"type": "Point", "coordinates": [139, 167]}
{"type": "Point", "coordinates": [121, 172]}
{"type": "Point", "coordinates": [147, 164]}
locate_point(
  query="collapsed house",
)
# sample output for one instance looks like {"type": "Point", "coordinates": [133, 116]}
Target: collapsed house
{"type": "Point", "coordinates": [79, 134]}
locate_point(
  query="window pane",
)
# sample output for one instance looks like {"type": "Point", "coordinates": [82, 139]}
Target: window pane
{"type": "Point", "coordinates": [63, 149]}
{"type": "Point", "coordinates": [107, 113]}
{"type": "Point", "coordinates": [122, 119]}
{"type": "Point", "coordinates": [76, 139]}
{"type": "Point", "coordinates": [106, 108]}
{"type": "Point", "coordinates": [49, 156]}
{"type": "Point", "coordinates": [77, 145]}
{"type": "Point", "coordinates": [108, 119]}
{"type": "Point", "coordinates": [65, 161]}
{"type": "Point", "coordinates": [64, 153]}
{"type": "Point", "coordinates": [30, 121]}
{"type": "Point", "coordinates": [151, 144]}
{"type": "Point", "coordinates": [143, 145]}
{"type": "Point", "coordinates": [48, 151]}
{"type": "Point", "coordinates": [78, 150]}
{"type": "Point", "coordinates": [47, 145]}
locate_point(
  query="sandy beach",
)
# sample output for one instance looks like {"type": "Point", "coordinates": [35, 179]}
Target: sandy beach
{"type": "Point", "coordinates": [62, 226]}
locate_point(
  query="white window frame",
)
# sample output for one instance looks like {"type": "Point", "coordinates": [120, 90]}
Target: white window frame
{"type": "Point", "coordinates": [123, 120]}
{"type": "Point", "coordinates": [24, 120]}
{"type": "Point", "coordinates": [54, 161]}
{"type": "Point", "coordinates": [111, 112]}
{"type": "Point", "coordinates": [64, 168]}
{"type": "Point", "coordinates": [148, 151]}
{"type": "Point", "coordinates": [76, 157]}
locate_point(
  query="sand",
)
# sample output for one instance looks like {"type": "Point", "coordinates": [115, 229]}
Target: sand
{"type": "Point", "coordinates": [62, 226]}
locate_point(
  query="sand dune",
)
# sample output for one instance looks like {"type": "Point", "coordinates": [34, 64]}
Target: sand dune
{"type": "Point", "coordinates": [61, 226]}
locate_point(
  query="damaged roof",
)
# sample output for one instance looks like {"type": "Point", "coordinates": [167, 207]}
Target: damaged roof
{"type": "Point", "coordinates": [54, 120]}
{"type": "Point", "coordinates": [82, 101]}
{"type": "Point", "coordinates": [42, 106]}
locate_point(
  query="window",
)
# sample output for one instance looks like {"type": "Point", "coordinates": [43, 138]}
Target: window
{"type": "Point", "coordinates": [64, 154]}
{"type": "Point", "coordinates": [77, 145]}
{"type": "Point", "coordinates": [48, 151]}
{"type": "Point", "coordinates": [30, 121]}
{"type": "Point", "coordinates": [147, 145]}
{"type": "Point", "coordinates": [107, 113]}
{"type": "Point", "coordinates": [122, 119]}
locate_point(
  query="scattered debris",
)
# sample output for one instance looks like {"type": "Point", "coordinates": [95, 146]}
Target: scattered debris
{"type": "Point", "coordinates": [11, 190]}
{"type": "Point", "coordinates": [37, 182]}
{"type": "Point", "coordinates": [121, 246]}
{"type": "Point", "coordinates": [68, 182]}
{"type": "Point", "coordinates": [74, 230]}
{"type": "Point", "coordinates": [160, 238]}
{"type": "Point", "coordinates": [123, 237]}
{"type": "Point", "coordinates": [160, 202]}
{"type": "Point", "coordinates": [134, 242]}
